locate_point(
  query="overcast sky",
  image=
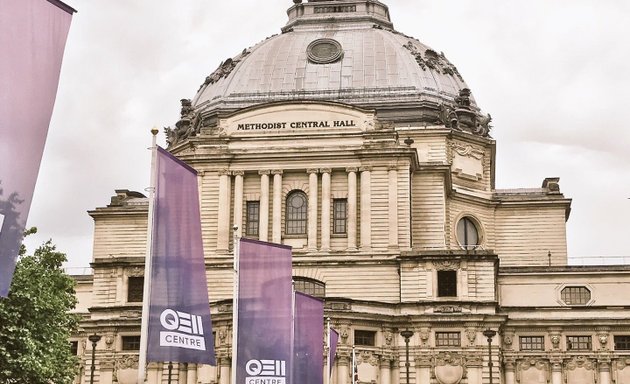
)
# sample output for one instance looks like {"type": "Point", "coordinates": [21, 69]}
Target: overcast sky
{"type": "Point", "coordinates": [553, 74]}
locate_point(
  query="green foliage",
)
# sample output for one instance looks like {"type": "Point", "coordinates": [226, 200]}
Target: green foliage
{"type": "Point", "coordinates": [35, 323]}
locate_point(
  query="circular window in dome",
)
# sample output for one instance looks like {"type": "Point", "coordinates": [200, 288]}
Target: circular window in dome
{"type": "Point", "coordinates": [324, 51]}
{"type": "Point", "coordinates": [468, 235]}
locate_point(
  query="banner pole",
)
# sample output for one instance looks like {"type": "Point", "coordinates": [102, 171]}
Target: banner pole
{"type": "Point", "coordinates": [328, 357]}
{"type": "Point", "coordinates": [144, 330]}
{"type": "Point", "coordinates": [236, 248]}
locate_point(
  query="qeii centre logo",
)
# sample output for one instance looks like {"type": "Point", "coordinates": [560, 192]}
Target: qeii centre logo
{"type": "Point", "coordinates": [181, 330]}
{"type": "Point", "coordinates": [266, 372]}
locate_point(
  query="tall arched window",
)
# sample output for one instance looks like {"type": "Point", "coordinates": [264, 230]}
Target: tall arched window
{"type": "Point", "coordinates": [296, 213]}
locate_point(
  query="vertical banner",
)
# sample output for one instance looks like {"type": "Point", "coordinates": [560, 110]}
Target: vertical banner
{"type": "Point", "coordinates": [32, 40]}
{"type": "Point", "coordinates": [265, 307]}
{"type": "Point", "coordinates": [308, 356]}
{"type": "Point", "coordinates": [333, 340]}
{"type": "Point", "coordinates": [179, 329]}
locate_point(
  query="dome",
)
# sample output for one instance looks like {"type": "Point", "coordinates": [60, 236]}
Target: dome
{"type": "Point", "coordinates": [344, 51]}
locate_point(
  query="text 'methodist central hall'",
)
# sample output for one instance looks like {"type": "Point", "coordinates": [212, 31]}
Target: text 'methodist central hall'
{"type": "Point", "coordinates": [365, 151]}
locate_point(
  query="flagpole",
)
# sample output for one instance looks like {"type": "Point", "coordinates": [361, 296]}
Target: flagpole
{"type": "Point", "coordinates": [236, 249]}
{"type": "Point", "coordinates": [146, 295]}
{"type": "Point", "coordinates": [328, 357]}
{"type": "Point", "coordinates": [293, 359]}
{"type": "Point", "coordinates": [354, 366]}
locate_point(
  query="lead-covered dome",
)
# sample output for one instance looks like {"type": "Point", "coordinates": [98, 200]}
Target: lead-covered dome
{"type": "Point", "coordinates": [344, 51]}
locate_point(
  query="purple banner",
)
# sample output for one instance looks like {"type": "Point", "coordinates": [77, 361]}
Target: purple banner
{"type": "Point", "coordinates": [180, 329]}
{"type": "Point", "coordinates": [32, 40]}
{"type": "Point", "coordinates": [332, 348]}
{"type": "Point", "coordinates": [265, 308]}
{"type": "Point", "coordinates": [308, 357]}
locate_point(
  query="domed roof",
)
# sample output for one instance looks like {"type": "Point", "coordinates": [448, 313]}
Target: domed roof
{"type": "Point", "coordinates": [344, 51]}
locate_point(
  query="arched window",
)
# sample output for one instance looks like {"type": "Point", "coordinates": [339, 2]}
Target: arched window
{"type": "Point", "coordinates": [310, 287]}
{"type": "Point", "coordinates": [296, 213]}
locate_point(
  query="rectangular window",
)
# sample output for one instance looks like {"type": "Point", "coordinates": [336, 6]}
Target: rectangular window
{"type": "Point", "coordinates": [74, 348]}
{"type": "Point", "coordinates": [131, 343]}
{"type": "Point", "coordinates": [447, 283]}
{"type": "Point", "coordinates": [532, 343]}
{"type": "Point", "coordinates": [622, 342]}
{"type": "Point", "coordinates": [447, 339]}
{"type": "Point", "coordinates": [364, 338]}
{"type": "Point", "coordinates": [253, 218]}
{"type": "Point", "coordinates": [579, 343]}
{"type": "Point", "coordinates": [340, 216]}
{"type": "Point", "coordinates": [135, 289]}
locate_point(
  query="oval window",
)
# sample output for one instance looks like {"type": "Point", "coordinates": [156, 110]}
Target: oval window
{"type": "Point", "coordinates": [467, 233]}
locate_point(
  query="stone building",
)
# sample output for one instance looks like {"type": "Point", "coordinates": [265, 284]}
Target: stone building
{"type": "Point", "coordinates": [364, 150]}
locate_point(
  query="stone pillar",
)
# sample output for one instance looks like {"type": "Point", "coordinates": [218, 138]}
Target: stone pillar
{"type": "Point", "coordinates": [223, 227]}
{"type": "Point", "coordinates": [386, 370]}
{"type": "Point", "coordinates": [604, 371]}
{"type": "Point", "coordinates": [556, 371]}
{"type": "Point", "coordinates": [312, 209]}
{"type": "Point", "coordinates": [393, 207]}
{"type": "Point", "coordinates": [191, 373]}
{"type": "Point", "coordinates": [263, 227]}
{"type": "Point", "coordinates": [238, 202]}
{"type": "Point", "coordinates": [325, 209]}
{"type": "Point", "coordinates": [396, 371]}
{"type": "Point", "coordinates": [423, 370]}
{"type": "Point", "coordinates": [366, 208]}
{"type": "Point", "coordinates": [508, 368]}
{"type": "Point", "coordinates": [352, 208]}
{"type": "Point", "coordinates": [276, 231]}
{"type": "Point", "coordinates": [343, 371]}
{"type": "Point", "coordinates": [153, 370]}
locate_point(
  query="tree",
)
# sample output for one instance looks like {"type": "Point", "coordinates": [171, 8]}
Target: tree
{"type": "Point", "coordinates": [35, 321]}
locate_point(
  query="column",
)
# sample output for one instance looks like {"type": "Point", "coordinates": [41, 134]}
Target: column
{"type": "Point", "coordinates": [312, 209]}
{"type": "Point", "coordinates": [386, 370]}
{"type": "Point", "coordinates": [604, 371]}
{"type": "Point", "coordinates": [263, 226]}
{"type": "Point", "coordinates": [224, 372]}
{"type": "Point", "coordinates": [191, 374]}
{"type": "Point", "coordinates": [352, 208]}
{"type": "Point", "coordinates": [153, 370]}
{"type": "Point", "coordinates": [423, 370]}
{"type": "Point", "coordinates": [396, 370]}
{"type": "Point", "coordinates": [343, 373]}
{"type": "Point", "coordinates": [556, 371]}
{"type": "Point", "coordinates": [393, 207]}
{"type": "Point", "coordinates": [223, 225]}
{"type": "Point", "coordinates": [325, 208]}
{"type": "Point", "coordinates": [276, 231]}
{"type": "Point", "coordinates": [508, 367]}
{"type": "Point", "coordinates": [238, 201]}
{"type": "Point", "coordinates": [366, 208]}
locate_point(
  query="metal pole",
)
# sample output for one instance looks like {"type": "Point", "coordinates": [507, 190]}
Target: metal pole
{"type": "Point", "coordinates": [94, 339]}
{"type": "Point", "coordinates": [170, 371]}
{"type": "Point", "coordinates": [489, 333]}
{"type": "Point", "coordinates": [407, 335]}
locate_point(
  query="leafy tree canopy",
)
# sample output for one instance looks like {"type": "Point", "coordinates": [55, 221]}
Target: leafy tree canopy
{"type": "Point", "coordinates": [35, 320]}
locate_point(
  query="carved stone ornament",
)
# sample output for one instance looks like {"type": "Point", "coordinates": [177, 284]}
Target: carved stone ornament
{"type": "Point", "coordinates": [388, 338]}
{"type": "Point", "coordinates": [468, 151]}
{"type": "Point", "coordinates": [431, 60]}
{"type": "Point", "coordinates": [109, 342]}
{"type": "Point", "coordinates": [424, 336]}
{"type": "Point", "coordinates": [622, 363]}
{"type": "Point", "coordinates": [603, 341]}
{"type": "Point", "coordinates": [580, 362]}
{"type": "Point", "coordinates": [368, 357]}
{"type": "Point", "coordinates": [535, 370]}
{"type": "Point", "coordinates": [449, 368]}
{"type": "Point", "coordinates": [128, 361]}
{"type": "Point", "coordinates": [446, 265]}
{"type": "Point", "coordinates": [507, 340]}
{"type": "Point", "coordinates": [555, 341]}
{"type": "Point", "coordinates": [471, 334]}
{"type": "Point", "coordinates": [526, 364]}
{"type": "Point", "coordinates": [462, 117]}
{"type": "Point", "coordinates": [135, 272]}
{"type": "Point", "coordinates": [187, 126]}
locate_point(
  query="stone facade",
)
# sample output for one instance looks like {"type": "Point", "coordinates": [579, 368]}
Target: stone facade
{"type": "Point", "coordinates": [403, 230]}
